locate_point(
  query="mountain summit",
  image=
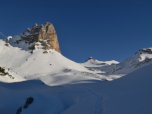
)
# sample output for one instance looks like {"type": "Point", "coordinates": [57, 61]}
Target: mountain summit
{"type": "Point", "coordinates": [38, 37]}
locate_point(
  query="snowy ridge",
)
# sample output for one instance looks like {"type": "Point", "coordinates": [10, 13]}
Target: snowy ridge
{"type": "Point", "coordinates": [91, 62]}
{"type": "Point", "coordinates": [17, 41]}
{"type": "Point", "coordinates": [51, 68]}
{"type": "Point", "coordinates": [141, 58]}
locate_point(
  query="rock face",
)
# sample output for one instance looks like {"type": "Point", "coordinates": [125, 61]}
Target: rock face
{"type": "Point", "coordinates": [90, 58]}
{"type": "Point", "coordinates": [38, 37]}
{"type": "Point", "coordinates": [145, 50]}
{"type": "Point", "coordinates": [46, 35]}
{"type": "Point", "coordinates": [28, 102]}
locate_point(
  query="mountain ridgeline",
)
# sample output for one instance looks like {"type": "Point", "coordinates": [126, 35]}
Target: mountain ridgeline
{"type": "Point", "coordinates": [43, 39]}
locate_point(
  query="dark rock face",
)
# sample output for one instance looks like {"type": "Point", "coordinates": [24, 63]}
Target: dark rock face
{"type": "Point", "coordinates": [28, 102]}
{"type": "Point", "coordinates": [90, 58]}
{"type": "Point", "coordinates": [46, 35]}
{"type": "Point", "coordinates": [148, 50]}
{"type": "Point", "coordinates": [19, 110]}
{"type": "Point", "coordinates": [145, 61]}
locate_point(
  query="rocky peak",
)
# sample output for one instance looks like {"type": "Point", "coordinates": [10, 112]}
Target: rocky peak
{"type": "Point", "coordinates": [90, 58]}
{"type": "Point", "coordinates": [40, 37]}
{"type": "Point", "coordinates": [145, 50]}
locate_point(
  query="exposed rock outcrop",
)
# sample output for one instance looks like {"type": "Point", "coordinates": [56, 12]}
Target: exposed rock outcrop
{"type": "Point", "coordinates": [39, 37]}
{"type": "Point", "coordinates": [90, 58]}
{"type": "Point", "coordinates": [141, 58]}
{"type": "Point", "coordinates": [28, 102]}
{"type": "Point", "coordinates": [145, 50]}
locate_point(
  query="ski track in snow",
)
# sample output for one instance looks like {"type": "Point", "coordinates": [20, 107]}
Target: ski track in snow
{"type": "Point", "coordinates": [98, 108]}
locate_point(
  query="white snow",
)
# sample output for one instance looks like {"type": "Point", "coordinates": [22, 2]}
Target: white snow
{"type": "Point", "coordinates": [49, 68]}
{"type": "Point", "coordinates": [8, 38]}
{"type": "Point", "coordinates": [127, 95]}
{"type": "Point", "coordinates": [95, 63]}
{"type": "Point", "coordinates": [61, 86]}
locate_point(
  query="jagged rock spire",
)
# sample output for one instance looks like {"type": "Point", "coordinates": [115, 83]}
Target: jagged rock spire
{"type": "Point", "coordinates": [45, 35]}
{"type": "Point", "coordinates": [48, 33]}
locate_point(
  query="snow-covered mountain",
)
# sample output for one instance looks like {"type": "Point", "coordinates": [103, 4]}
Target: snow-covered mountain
{"type": "Point", "coordinates": [51, 67]}
{"type": "Point", "coordinates": [141, 58]}
{"type": "Point", "coordinates": [100, 67]}
{"type": "Point", "coordinates": [91, 62]}
{"type": "Point", "coordinates": [35, 78]}
{"type": "Point", "coordinates": [35, 54]}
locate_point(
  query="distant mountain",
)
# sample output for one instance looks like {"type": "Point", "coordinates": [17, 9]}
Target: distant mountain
{"type": "Point", "coordinates": [141, 58]}
{"type": "Point", "coordinates": [95, 63]}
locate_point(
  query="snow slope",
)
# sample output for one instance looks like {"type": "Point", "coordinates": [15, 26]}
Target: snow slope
{"type": "Point", "coordinates": [100, 67]}
{"type": "Point", "coordinates": [9, 76]}
{"type": "Point", "coordinates": [58, 85]}
{"type": "Point", "coordinates": [141, 58]}
{"type": "Point", "coordinates": [52, 68]}
{"type": "Point", "coordinates": [127, 95]}
{"type": "Point", "coordinates": [131, 94]}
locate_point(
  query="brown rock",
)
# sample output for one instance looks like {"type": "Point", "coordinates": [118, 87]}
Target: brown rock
{"type": "Point", "coordinates": [45, 52]}
{"type": "Point", "coordinates": [46, 35]}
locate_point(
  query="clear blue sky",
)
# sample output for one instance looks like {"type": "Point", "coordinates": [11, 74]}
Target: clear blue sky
{"type": "Point", "coordinates": [103, 29]}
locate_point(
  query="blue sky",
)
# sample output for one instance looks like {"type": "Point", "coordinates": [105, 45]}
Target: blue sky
{"type": "Point", "coordinates": [103, 29]}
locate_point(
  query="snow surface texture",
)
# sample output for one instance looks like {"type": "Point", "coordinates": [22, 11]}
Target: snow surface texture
{"type": "Point", "coordinates": [127, 95]}
{"type": "Point", "coordinates": [61, 86]}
